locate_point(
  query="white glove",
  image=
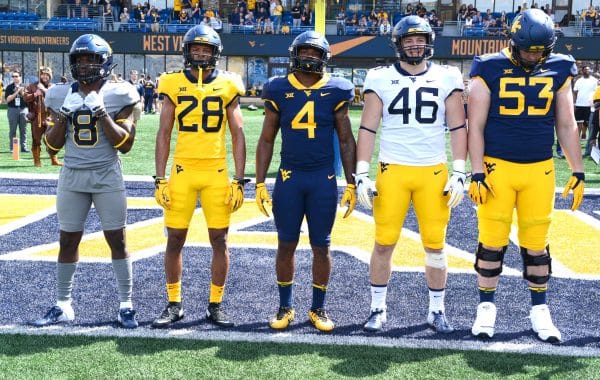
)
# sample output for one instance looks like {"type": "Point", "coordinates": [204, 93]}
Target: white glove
{"type": "Point", "coordinates": [456, 184]}
{"type": "Point", "coordinates": [72, 103]}
{"type": "Point", "coordinates": [95, 103]}
{"type": "Point", "coordinates": [364, 184]}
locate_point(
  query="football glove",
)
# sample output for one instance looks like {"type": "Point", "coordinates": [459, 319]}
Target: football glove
{"type": "Point", "coordinates": [95, 103]}
{"type": "Point", "coordinates": [162, 193]}
{"type": "Point", "coordinates": [577, 184]}
{"type": "Point", "coordinates": [262, 197]}
{"type": "Point", "coordinates": [235, 195]}
{"type": "Point", "coordinates": [72, 103]}
{"type": "Point", "coordinates": [363, 186]}
{"type": "Point", "coordinates": [349, 198]}
{"type": "Point", "coordinates": [456, 184]}
{"type": "Point", "coordinates": [480, 188]}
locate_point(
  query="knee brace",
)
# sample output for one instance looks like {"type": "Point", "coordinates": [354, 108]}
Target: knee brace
{"type": "Point", "coordinates": [489, 255]}
{"type": "Point", "coordinates": [436, 260]}
{"type": "Point", "coordinates": [536, 261]}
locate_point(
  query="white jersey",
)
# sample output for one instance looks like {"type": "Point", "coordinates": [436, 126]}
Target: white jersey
{"type": "Point", "coordinates": [414, 112]}
{"type": "Point", "coordinates": [86, 146]}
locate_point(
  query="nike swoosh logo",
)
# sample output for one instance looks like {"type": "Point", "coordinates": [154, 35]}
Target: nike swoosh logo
{"type": "Point", "coordinates": [216, 89]}
{"type": "Point", "coordinates": [430, 80]}
{"type": "Point", "coordinates": [548, 172]}
{"type": "Point", "coordinates": [325, 93]}
{"type": "Point", "coordinates": [437, 172]}
{"type": "Point", "coordinates": [543, 70]}
{"type": "Point", "coordinates": [220, 170]}
{"type": "Point", "coordinates": [331, 176]}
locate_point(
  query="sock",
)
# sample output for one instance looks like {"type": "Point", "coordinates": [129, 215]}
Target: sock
{"type": "Point", "coordinates": [538, 295]}
{"type": "Point", "coordinates": [378, 296]}
{"type": "Point", "coordinates": [318, 298]}
{"type": "Point", "coordinates": [174, 292]}
{"type": "Point", "coordinates": [65, 273]}
{"type": "Point", "coordinates": [124, 274]}
{"type": "Point", "coordinates": [285, 293]}
{"type": "Point", "coordinates": [486, 294]}
{"type": "Point", "coordinates": [216, 293]}
{"type": "Point", "coordinates": [436, 300]}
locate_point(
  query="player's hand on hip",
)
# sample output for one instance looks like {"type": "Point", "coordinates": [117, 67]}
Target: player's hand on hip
{"type": "Point", "coordinates": [577, 184]}
{"type": "Point", "coordinates": [162, 193]}
{"type": "Point", "coordinates": [262, 197]}
{"type": "Point", "coordinates": [480, 188]}
{"type": "Point", "coordinates": [364, 186]}
{"type": "Point", "coordinates": [349, 198]}
{"type": "Point", "coordinates": [95, 103]}
{"type": "Point", "coordinates": [72, 103]}
{"type": "Point", "coordinates": [235, 195]}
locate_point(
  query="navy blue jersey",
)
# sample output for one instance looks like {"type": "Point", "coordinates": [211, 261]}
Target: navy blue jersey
{"type": "Point", "coordinates": [306, 118]}
{"type": "Point", "coordinates": [520, 124]}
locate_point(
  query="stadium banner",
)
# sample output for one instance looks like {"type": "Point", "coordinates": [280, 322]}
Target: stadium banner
{"type": "Point", "coordinates": [277, 45]}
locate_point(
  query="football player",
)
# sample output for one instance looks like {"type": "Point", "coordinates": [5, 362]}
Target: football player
{"type": "Point", "coordinates": [415, 100]}
{"type": "Point", "coordinates": [93, 119]}
{"type": "Point", "coordinates": [517, 98]}
{"type": "Point", "coordinates": [200, 102]}
{"type": "Point", "coordinates": [307, 106]}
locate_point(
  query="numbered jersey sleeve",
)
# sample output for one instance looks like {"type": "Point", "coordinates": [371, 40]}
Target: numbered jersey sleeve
{"type": "Point", "coordinates": [307, 118]}
{"type": "Point", "coordinates": [200, 112]}
{"type": "Point", "coordinates": [414, 112]}
{"type": "Point", "coordinates": [520, 124]}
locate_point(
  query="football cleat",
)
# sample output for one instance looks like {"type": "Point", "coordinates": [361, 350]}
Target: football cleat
{"type": "Point", "coordinates": [438, 321]}
{"type": "Point", "coordinates": [172, 313]}
{"type": "Point", "coordinates": [483, 327]}
{"type": "Point", "coordinates": [320, 319]}
{"type": "Point", "coordinates": [376, 320]}
{"type": "Point", "coordinates": [541, 323]}
{"type": "Point", "coordinates": [217, 315]}
{"type": "Point", "coordinates": [285, 315]}
{"type": "Point", "coordinates": [126, 318]}
{"type": "Point", "coordinates": [56, 315]}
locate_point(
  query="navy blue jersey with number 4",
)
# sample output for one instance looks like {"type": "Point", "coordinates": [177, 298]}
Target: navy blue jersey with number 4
{"type": "Point", "coordinates": [307, 118]}
{"type": "Point", "coordinates": [522, 106]}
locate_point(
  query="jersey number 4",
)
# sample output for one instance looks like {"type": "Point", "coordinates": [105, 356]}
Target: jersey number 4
{"type": "Point", "coordinates": [212, 106]}
{"type": "Point", "coordinates": [305, 119]}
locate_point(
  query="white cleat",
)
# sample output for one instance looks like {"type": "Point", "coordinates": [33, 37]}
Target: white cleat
{"type": "Point", "coordinates": [483, 327]}
{"type": "Point", "coordinates": [541, 323]}
{"type": "Point", "coordinates": [376, 321]}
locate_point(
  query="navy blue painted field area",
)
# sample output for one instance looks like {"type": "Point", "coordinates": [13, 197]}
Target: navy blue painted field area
{"type": "Point", "coordinates": [28, 248]}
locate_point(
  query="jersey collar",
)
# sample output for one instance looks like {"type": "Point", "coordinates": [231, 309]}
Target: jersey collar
{"type": "Point", "coordinates": [299, 86]}
{"type": "Point", "coordinates": [407, 74]}
{"type": "Point", "coordinates": [188, 74]}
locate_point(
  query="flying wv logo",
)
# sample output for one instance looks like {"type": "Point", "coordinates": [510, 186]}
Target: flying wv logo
{"type": "Point", "coordinates": [490, 167]}
{"type": "Point", "coordinates": [285, 174]}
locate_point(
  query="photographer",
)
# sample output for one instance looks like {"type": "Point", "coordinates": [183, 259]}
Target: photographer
{"type": "Point", "coordinates": [17, 111]}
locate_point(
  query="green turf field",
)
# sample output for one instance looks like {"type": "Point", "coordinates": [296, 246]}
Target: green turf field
{"type": "Point", "coordinates": [140, 161]}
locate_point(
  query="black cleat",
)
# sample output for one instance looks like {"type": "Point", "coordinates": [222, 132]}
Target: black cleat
{"type": "Point", "coordinates": [215, 314]}
{"type": "Point", "coordinates": [171, 314]}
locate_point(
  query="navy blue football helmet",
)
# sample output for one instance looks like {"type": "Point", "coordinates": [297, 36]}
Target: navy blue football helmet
{"type": "Point", "coordinates": [532, 31]}
{"type": "Point", "coordinates": [410, 26]}
{"type": "Point", "coordinates": [91, 44]}
{"type": "Point", "coordinates": [306, 64]}
{"type": "Point", "coordinates": [202, 34]}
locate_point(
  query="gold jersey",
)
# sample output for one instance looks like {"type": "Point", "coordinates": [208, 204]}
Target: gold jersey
{"type": "Point", "coordinates": [200, 112]}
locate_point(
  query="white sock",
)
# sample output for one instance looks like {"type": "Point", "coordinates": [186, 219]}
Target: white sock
{"type": "Point", "coordinates": [436, 300]}
{"type": "Point", "coordinates": [126, 305]}
{"type": "Point", "coordinates": [378, 297]}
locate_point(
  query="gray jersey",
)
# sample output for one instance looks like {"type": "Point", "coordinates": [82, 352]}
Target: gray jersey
{"type": "Point", "coordinates": [86, 146]}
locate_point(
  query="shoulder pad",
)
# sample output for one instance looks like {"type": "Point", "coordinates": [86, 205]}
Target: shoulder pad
{"type": "Point", "coordinates": [55, 96]}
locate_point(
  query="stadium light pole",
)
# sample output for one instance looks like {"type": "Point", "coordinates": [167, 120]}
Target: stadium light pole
{"type": "Point", "coordinates": [320, 16]}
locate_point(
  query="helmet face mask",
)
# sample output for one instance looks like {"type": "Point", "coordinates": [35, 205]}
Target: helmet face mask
{"type": "Point", "coordinates": [413, 26]}
{"type": "Point", "coordinates": [203, 35]}
{"type": "Point", "coordinates": [301, 61]}
{"type": "Point", "coordinates": [99, 62]}
{"type": "Point", "coordinates": [532, 31]}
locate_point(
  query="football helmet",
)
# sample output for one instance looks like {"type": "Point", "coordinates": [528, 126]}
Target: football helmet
{"type": "Point", "coordinates": [532, 31]}
{"type": "Point", "coordinates": [308, 64]}
{"type": "Point", "coordinates": [409, 26]}
{"type": "Point", "coordinates": [91, 44]}
{"type": "Point", "coordinates": [202, 34]}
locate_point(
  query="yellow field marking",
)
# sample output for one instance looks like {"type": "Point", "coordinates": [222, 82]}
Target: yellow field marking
{"type": "Point", "coordinates": [16, 206]}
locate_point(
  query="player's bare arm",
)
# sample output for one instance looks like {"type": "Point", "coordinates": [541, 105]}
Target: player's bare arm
{"type": "Point", "coordinates": [479, 105]}
{"type": "Point", "coordinates": [56, 136]}
{"type": "Point", "coordinates": [566, 128]}
{"type": "Point", "coordinates": [121, 130]}
{"type": "Point", "coordinates": [163, 137]}
{"type": "Point", "coordinates": [347, 142]}
{"type": "Point", "coordinates": [264, 150]}
{"type": "Point", "coordinates": [369, 124]}
{"type": "Point", "coordinates": [455, 120]}
{"type": "Point", "coordinates": [238, 139]}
